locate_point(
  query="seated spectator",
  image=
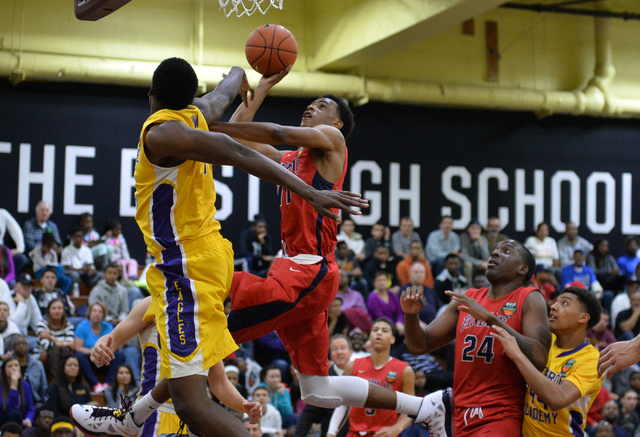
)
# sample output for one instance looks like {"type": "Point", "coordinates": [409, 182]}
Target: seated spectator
{"type": "Point", "coordinates": [628, 321]}
{"type": "Point", "coordinates": [450, 278]}
{"type": "Point", "coordinates": [354, 240]}
{"type": "Point", "coordinates": [382, 262]}
{"type": "Point", "coordinates": [100, 250]}
{"type": "Point", "coordinates": [8, 330]}
{"type": "Point", "coordinates": [256, 247]}
{"type": "Point", "coordinates": [383, 303]}
{"type": "Point", "coordinates": [605, 266]}
{"type": "Point", "coordinates": [280, 396]}
{"type": "Point", "coordinates": [416, 255]}
{"type": "Point", "coordinates": [253, 428]}
{"type": "Point", "coordinates": [623, 300]}
{"type": "Point", "coordinates": [124, 385]}
{"type": "Point", "coordinates": [594, 415]}
{"type": "Point", "coordinates": [62, 427]}
{"type": "Point", "coordinates": [270, 352]}
{"type": "Point", "coordinates": [112, 295]}
{"type": "Point", "coordinates": [23, 308]}
{"type": "Point", "coordinates": [403, 237]}
{"type": "Point", "coordinates": [85, 337]}
{"type": "Point", "coordinates": [233, 374]}
{"type": "Point", "coordinates": [600, 335]}
{"type": "Point", "coordinates": [337, 319]}
{"type": "Point", "coordinates": [31, 369]}
{"type": "Point", "coordinates": [11, 429]}
{"type": "Point", "coordinates": [571, 241]}
{"type": "Point", "coordinates": [271, 423]}
{"type": "Point", "coordinates": [9, 224]}
{"type": "Point", "coordinates": [347, 261]}
{"type": "Point", "coordinates": [474, 248]}
{"type": "Point", "coordinates": [56, 337]}
{"type": "Point", "coordinates": [431, 301]}
{"type": "Point", "coordinates": [350, 298]}
{"type": "Point", "coordinates": [44, 256]}
{"type": "Point", "coordinates": [543, 247]}
{"type": "Point", "coordinates": [629, 419]}
{"type": "Point", "coordinates": [36, 227]}
{"type": "Point", "coordinates": [629, 260]}
{"type": "Point", "coordinates": [546, 282]}
{"type": "Point", "coordinates": [610, 415]}
{"type": "Point", "coordinates": [7, 269]}
{"type": "Point", "coordinates": [48, 291]}
{"type": "Point", "coordinates": [67, 388]}
{"type": "Point", "coordinates": [113, 237]}
{"type": "Point", "coordinates": [17, 400]}
{"type": "Point", "coordinates": [77, 260]}
{"type": "Point", "coordinates": [358, 341]}
{"type": "Point", "coordinates": [493, 234]}
{"type": "Point", "coordinates": [579, 271]}
{"type": "Point", "coordinates": [380, 236]}
{"type": "Point", "coordinates": [441, 243]}
{"type": "Point", "coordinates": [436, 377]}
{"type": "Point", "coordinates": [41, 426]}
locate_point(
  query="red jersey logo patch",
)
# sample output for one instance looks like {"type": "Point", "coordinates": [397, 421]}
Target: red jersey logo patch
{"type": "Point", "coordinates": [392, 377]}
{"type": "Point", "coordinates": [509, 309]}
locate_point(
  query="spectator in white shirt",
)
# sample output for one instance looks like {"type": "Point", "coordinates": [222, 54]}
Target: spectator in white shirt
{"type": "Point", "coordinates": [543, 247]}
{"type": "Point", "coordinates": [8, 332]}
{"type": "Point", "coordinates": [354, 240]}
{"type": "Point", "coordinates": [9, 224]}
{"type": "Point", "coordinates": [77, 260]}
{"type": "Point", "coordinates": [23, 308]}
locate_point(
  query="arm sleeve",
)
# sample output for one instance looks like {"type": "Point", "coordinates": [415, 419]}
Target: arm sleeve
{"type": "Point", "coordinates": [54, 230]}
{"type": "Point", "coordinates": [432, 247]}
{"type": "Point", "coordinates": [397, 246]}
{"type": "Point", "coordinates": [29, 236]}
{"type": "Point", "coordinates": [14, 229]}
{"type": "Point", "coordinates": [336, 419]}
{"type": "Point", "coordinates": [374, 304]}
{"type": "Point", "coordinates": [123, 305]}
{"type": "Point", "coordinates": [284, 403]}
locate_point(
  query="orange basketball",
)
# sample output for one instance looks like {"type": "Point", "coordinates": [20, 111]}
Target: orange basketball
{"type": "Point", "coordinates": [270, 49]}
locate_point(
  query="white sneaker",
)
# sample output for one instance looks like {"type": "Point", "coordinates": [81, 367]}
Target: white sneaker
{"type": "Point", "coordinates": [105, 422]}
{"type": "Point", "coordinates": [437, 413]}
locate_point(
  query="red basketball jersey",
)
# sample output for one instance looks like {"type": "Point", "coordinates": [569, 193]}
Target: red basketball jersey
{"type": "Point", "coordinates": [302, 229]}
{"type": "Point", "coordinates": [389, 376]}
{"type": "Point", "coordinates": [483, 375]}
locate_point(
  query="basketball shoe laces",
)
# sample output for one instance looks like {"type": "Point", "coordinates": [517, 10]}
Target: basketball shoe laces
{"type": "Point", "coordinates": [117, 413]}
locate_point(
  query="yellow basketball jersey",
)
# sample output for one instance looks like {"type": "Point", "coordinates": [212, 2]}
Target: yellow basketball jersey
{"type": "Point", "coordinates": [174, 205]}
{"type": "Point", "coordinates": [579, 366]}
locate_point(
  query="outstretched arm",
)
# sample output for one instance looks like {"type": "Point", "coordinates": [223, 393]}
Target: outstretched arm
{"type": "Point", "coordinates": [176, 139]}
{"type": "Point", "coordinates": [618, 356]}
{"type": "Point", "coordinates": [555, 396]}
{"type": "Point", "coordinates": [535, 339]}
{"type": "Point", "coordinates": [213, 104]}
{"type": "Point", "coordinates": [438, 333]}
{"type": "Point", "coordinates": [222, 388]}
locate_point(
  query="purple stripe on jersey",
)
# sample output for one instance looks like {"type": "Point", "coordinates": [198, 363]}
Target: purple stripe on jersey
{"type": "Point", "coordinates": [180, 308]}
{"type": "Point", "coordinates": [161, 215]}
{"type": "Point", "coordinates": [149, 429]}
{"type": "Point", "coordinates": [149, 369]}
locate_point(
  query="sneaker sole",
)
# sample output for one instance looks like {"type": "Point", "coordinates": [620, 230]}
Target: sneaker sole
{"type": "Point", "coordinates": [96, 434]}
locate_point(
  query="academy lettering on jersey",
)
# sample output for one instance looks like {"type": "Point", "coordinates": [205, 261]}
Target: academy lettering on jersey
{"type": "Point", "coordinates": [470, 322]}
{"type": "Point", "coordinates": [539, 415]}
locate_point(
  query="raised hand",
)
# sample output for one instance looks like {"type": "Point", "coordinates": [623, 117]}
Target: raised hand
{"type": "Point", "coordinates": [272, 80]}
{"type": "Point", "coordinates": [325, 200]}
{"type": "Point", "coordinates": [469, 305]}
{"type": "Point", "coordinates": [618, 356]}
{"type": "Point", "coordinates": [246, 91]}
{"type": "Point", "coordinates": [412, 300]}
{"type": "Point", "coordinates": [509, 343]}
{"type": "Point", "coordinates": [101, 354]}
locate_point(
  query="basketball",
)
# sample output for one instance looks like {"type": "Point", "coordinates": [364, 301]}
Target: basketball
{"type": "Point", "coordinates": [270, 49]}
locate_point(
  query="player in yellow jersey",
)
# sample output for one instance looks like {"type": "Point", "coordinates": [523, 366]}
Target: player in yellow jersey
{"type": "Point", "coordinates": [558, 399]}
{"type": "Point", "coordinates": [175, 196]}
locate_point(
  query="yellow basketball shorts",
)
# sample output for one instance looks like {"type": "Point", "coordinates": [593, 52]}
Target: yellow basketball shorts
{"type": "Point", "coordinates": [188, 286]}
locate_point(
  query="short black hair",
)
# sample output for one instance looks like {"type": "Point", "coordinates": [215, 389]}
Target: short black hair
{"type": "Point", "coordinates": [344, 113]}
{"type": "Point", "coordinates": [528, 259]}
{"type": "Point", "coordinates": [174, 83]}
{"type": "Point", "coordinates": [590, 304]}
{"type": "Point", "coordinates": [379, 273]}
{"type": "Point", "coordinates": [12, 427]}
{"type": "Point", "coordinates": [44, 407]}
{"type": "Point", "coordinates": [388, 322]}
{"type": "Point", "coordinates": [48, 239]}
{"type": "Point", "coordinates": [111, 266]}
{"type": "Point", "coordinates": [451, 256]}
{"type": "Point", "coordinates": [49, 269]}
{"type": "Point", "coordinates": [343, 337]}
{"type": "Point", "coordinates": [74, 229]}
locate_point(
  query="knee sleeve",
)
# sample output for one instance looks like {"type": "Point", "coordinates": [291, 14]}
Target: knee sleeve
{"type": "Point", "coordinates": [332, 391]}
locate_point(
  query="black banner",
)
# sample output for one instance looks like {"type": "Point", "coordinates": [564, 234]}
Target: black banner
{"type": "Point", "coordinates": [76, 144]}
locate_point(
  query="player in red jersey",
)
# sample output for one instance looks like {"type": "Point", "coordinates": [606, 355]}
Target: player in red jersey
{"type": "Point", "coordinates": [380, 369]}
{"type": "Point", "coordinates": [294, 298]}
{"type": "Point", "coordinates": [487, 386]}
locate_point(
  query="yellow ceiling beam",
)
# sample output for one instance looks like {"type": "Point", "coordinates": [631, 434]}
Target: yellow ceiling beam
{"type": "Point", "coordinates": [369, 30]}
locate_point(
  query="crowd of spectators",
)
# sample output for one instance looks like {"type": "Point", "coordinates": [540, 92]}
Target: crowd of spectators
{"type": "Point", "coordinates": [45, 339]}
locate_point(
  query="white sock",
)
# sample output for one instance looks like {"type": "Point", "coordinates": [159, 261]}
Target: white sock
{"type": "Point", "coordinates": [144, 408]}
{"type": "Point", "coordinates": [407, 404]}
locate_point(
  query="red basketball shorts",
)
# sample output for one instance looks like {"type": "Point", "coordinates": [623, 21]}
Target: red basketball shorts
{"type": "Point", "coordinates": [498, 421]}
{"type": "Point", "coordinates": [292, 300]}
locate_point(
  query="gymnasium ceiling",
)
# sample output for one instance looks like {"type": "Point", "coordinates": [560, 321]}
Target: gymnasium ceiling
{"type": "Point", "coordinates": [360, 49]}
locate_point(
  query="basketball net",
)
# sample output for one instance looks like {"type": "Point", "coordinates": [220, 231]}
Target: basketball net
{"type": "Point", "coordinates": [240, 8]}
